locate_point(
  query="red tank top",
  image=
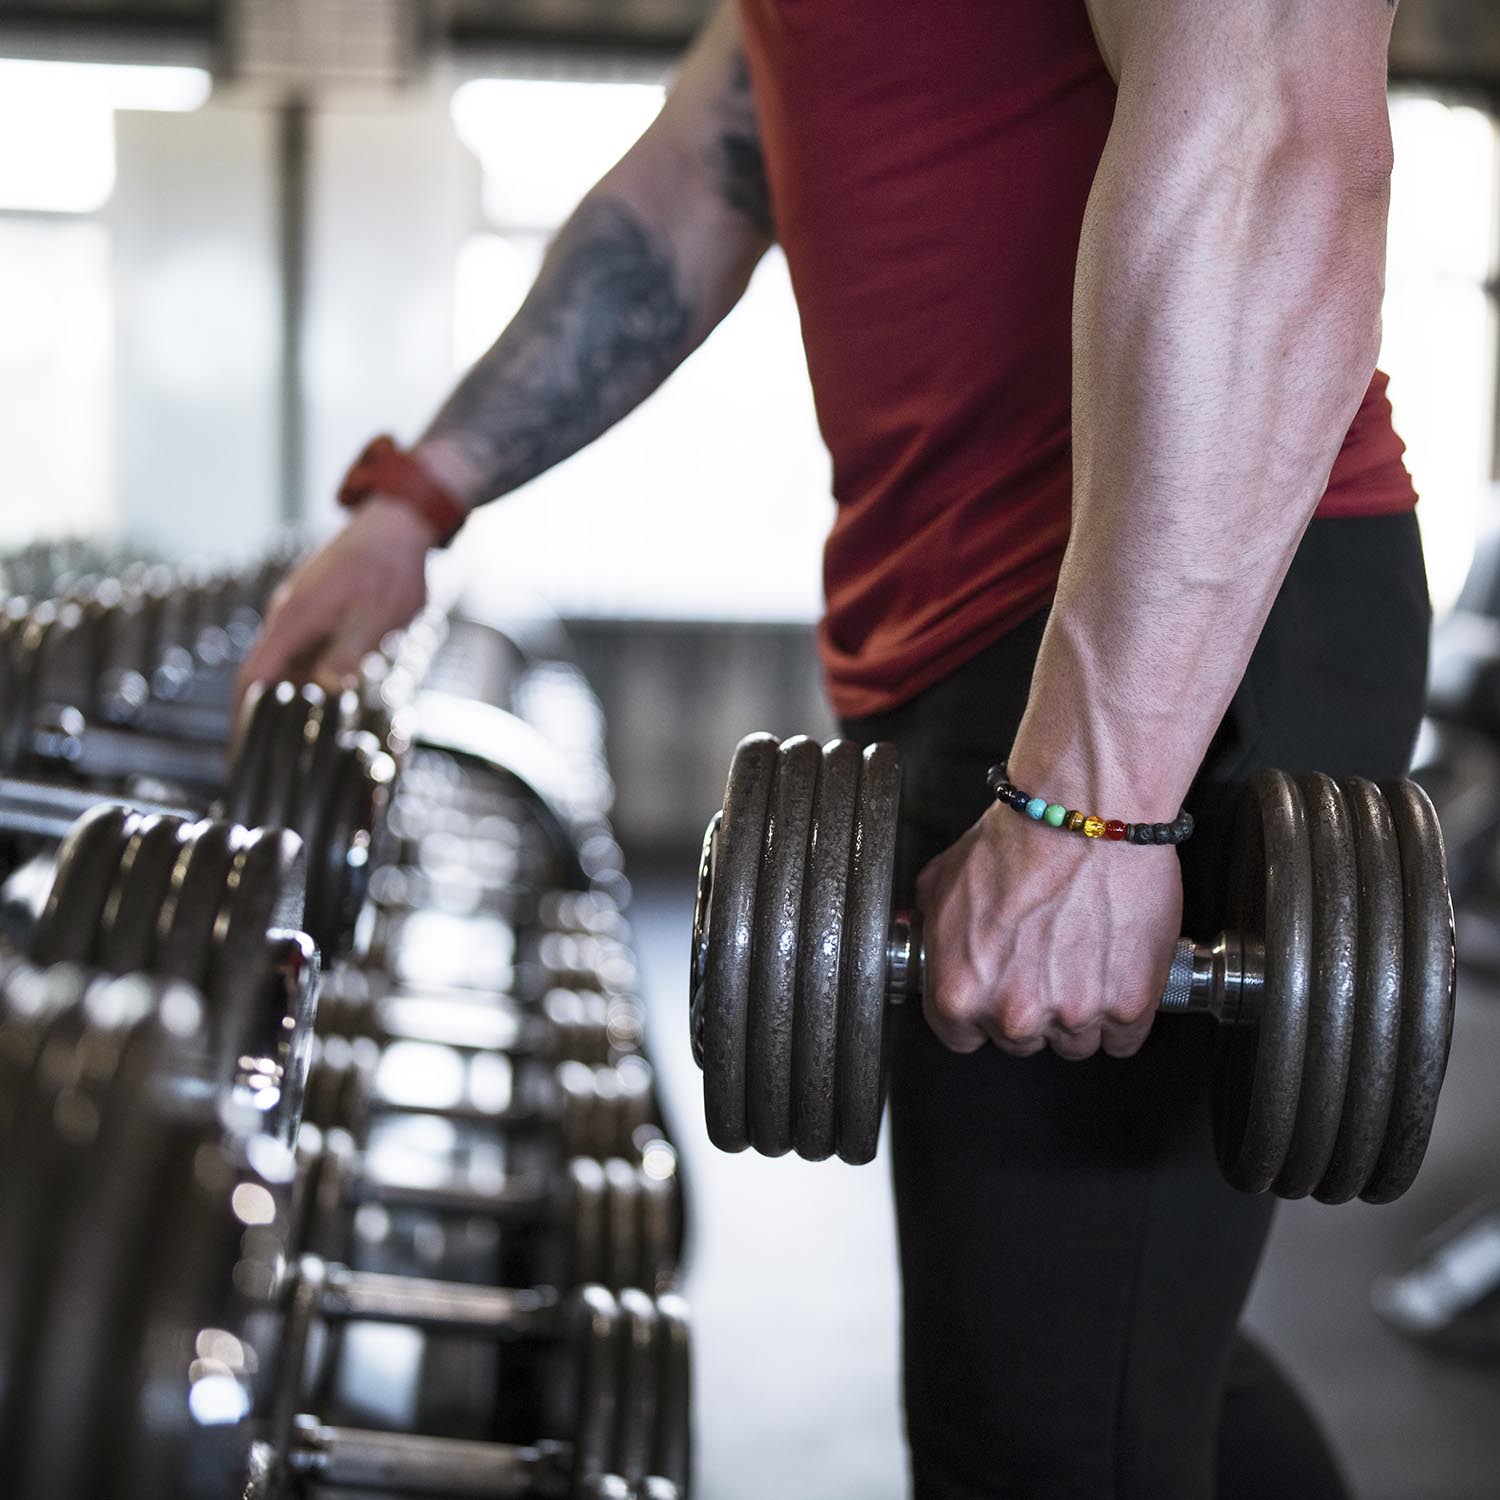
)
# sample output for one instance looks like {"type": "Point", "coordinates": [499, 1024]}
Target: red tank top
{"type": "Point", "coordinates": [929, 166]}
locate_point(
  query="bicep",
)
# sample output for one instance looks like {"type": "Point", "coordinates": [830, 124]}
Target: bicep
{"type": "Point", "coordinates": [709, 123]}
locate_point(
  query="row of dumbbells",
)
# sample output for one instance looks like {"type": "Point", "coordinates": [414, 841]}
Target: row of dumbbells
{"type": "Point", "coordinates": [280, 1125]}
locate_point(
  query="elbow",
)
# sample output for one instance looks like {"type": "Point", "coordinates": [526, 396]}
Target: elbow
{"type": "Point", "coordinates": [1332, 132]}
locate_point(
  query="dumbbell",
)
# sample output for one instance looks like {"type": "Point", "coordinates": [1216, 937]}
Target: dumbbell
{"type": "Point", "coordinates": [606, 1110]}
{"type": "Point", "coordinates": [564, 1024]}
{"type": "Point", "coordinates": [160, 1346]}
{"type": "Point", "coordinates": [298, 765]}
{"type": "Point", "coordinates": [618, 1219]}
{"type": "Point", "coordinates": [214, 904]}
{"type": "Point", "coordinates": [1332, 986]}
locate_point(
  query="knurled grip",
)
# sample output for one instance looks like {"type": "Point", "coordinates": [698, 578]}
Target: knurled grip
{"type": "Point", "coordinates": [1179, 988]}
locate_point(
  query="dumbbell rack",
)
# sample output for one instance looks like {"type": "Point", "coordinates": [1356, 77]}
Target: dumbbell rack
{"type": "Point", "coordinates": [481, 1208]}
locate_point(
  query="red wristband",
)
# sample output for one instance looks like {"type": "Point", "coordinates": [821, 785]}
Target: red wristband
{"type": "Point", "coordinates": [386, 469]}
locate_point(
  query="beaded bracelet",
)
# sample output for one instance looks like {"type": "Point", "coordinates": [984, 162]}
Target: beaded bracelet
{"type": "Point", "coordinates": [1090, 825]}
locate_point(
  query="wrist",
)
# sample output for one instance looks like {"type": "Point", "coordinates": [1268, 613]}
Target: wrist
{"type": "Point", "coordinates": [386, 471]}
{"type": "Point", "coordinates": [398, 521]}
{"type": "Point", "coordinates": [1092, 789]}
{"type": "Point", "coordinates": [452, 467]}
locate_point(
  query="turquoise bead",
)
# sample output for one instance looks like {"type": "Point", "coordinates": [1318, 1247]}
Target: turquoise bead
{"type": "Point", "coordinates": [1055, 814]}
{"type": "Point", "coordinates": [1036, 808]}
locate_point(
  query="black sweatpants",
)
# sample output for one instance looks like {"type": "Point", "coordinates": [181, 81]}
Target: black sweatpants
{"type": "Point", "coordinates": [1074, 1265]}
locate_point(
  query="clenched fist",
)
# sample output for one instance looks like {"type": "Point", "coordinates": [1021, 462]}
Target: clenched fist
{"type": "Point", "coordinates": [1037, 938]}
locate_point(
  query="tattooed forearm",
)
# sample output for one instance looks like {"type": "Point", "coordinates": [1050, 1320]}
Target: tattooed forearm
{"type": "Point", "coordinates": [736, 157]}
{"type": "Point", "coordinates": [604, 325]}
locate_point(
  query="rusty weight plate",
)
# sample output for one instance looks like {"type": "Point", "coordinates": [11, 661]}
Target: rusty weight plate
{"type": "Point", "coordinates": [1258, 1067]}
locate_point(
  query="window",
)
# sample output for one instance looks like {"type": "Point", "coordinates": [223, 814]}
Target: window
{"type": "Point", "coordinates": [56, 296]}
{"type": "Point", "coordinates": [709, 502]}
{"type": "Point", "coordinates": [1440, 319]}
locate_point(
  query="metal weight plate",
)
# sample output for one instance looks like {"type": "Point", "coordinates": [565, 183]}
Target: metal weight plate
{"type": "Point", "coordinates": [295, 727]}
{"type": "Point", "coordinates": [1377, 995]}
{"type": "Point", "coordinates": [87, 862]}
{"type": "Point", "coordinates": [622, 1218]}
{"type": "Point", "coordinates": [1330, 1021]}
{"type": "Point", "coordinates": [67, 661]}
{"type": "Point", "coordinates": [128, 940]}
{"type": "Point", "coordinates": [640, 1380]}
{"type": "Point", "coordinates": [1429, 974]}
{"type": "Point", "coordinates": [595, 1321]}
{"type": "Point", "coordinates": [324, 761]}
{"type": "Point", "coordinates": [195, 896]}
{"type": "Point", "coordinates": [725, 997]}
{"type": "Point", "coordinates": [30, 999]}
{"type": "Point", "coordinates": [92, 1323]}
{"type": "Point", "coordinates": [265, 893]}
{"type": "Point", "coordinates": [660, 1217]}
{"type": "Point", "coordinates": [262, 713]}
{"type": "Point", "coordinates": [15, 722]}
{"type": "Point", "coordinates": [56, 1203]}
{"type": "Point", "coordinates": [585, 1214]}
{"type": "Point", "coordinates": [18, 684]}
{"type": "Point", "coordinates": [157, 1268]}
{"type": "Point", "coordinates": [577, 1107]}
{"type": "Point", "coordinates": [820, 953]}
{"type": "Point", "coordinates": [339, 860]}
{"type": "Point", "coordinates": [672, 1460]}
{"type": "Point", "coordinates": [859, 1082]}
{"type": "Point", "coordinates": [1258, 1067]}
{"type": "Point", "coordinates": [774, 946]}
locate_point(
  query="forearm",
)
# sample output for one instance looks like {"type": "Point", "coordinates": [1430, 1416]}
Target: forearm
{"type": "Point", "coordinates": [1226, 323]}
{"type": "Point", "coordinates": [645, 268]}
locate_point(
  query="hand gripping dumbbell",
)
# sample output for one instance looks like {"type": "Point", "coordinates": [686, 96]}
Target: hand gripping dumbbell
{"type": "Point", "coordinates": [161, 1346]}
{"type": "Point", "coordinates": [300, 764]}
{"type": "Point", "coordinates": [1332, 986]}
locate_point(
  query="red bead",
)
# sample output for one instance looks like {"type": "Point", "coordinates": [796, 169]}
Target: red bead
{"type": "Point", "coordinates": [1114, 829]}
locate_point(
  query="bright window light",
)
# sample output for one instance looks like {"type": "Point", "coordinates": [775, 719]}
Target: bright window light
{"type": "Point", "coordinates": [543, 145]}
{"type": "Point", "coordinates": [1440, 326]}
{"type": "Point", "coordinates": [58, 120]}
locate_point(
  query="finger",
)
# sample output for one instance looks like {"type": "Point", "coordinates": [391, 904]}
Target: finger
{"type": "Point", "coordinates": [954, 1032]}
{"type": "Point", "coordinates": [1075, 1044]}
{"type": "Point", "coordinates": [302, 624]}
{"type": "Point", "coordinates": [1125, 1040]}
{"type": "Point", "coordinates": [1012, 1048]}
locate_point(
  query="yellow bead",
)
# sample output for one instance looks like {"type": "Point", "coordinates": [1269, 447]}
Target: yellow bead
{"type": "Point", "coordinates": [1093, 827]}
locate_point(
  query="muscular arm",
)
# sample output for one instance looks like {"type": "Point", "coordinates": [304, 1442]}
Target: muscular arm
{"type": "Point", "coordinates": [652, 259]}
{"type": "Point", "coordinates": [1226, 322]}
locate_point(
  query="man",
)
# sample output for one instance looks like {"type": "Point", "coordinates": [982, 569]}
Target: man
{"type": "Point", "coordinates": [1091, 296]}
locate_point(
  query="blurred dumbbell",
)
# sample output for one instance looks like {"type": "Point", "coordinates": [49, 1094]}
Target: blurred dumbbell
{"type": "Point", "coordinates": [161, 1344]}
{"type": "Point", "coordinates": [298, 765]}
{"type": "Point", "coordinates": [583, 1025]}
{"type": "Point", "coordinates": [1332, 988]}
{"type": "Point", "coordinates": [603, 1111]}
{"type": "Point", "coordinates": [211, 903]}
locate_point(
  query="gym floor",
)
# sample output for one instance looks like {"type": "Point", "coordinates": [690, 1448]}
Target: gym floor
{"type": "Point", "coordinates": [793, 1287]}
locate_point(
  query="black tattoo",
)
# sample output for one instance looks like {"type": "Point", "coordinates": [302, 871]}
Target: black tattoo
{"type": "Point", "coordinates": [604, 325]}
{"type": "Point", "coordinates": [738, 162]}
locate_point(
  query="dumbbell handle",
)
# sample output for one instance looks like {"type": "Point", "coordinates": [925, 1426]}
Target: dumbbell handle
{"type": "Point", "coordinates": [410, 1464]}
{"type": "Point", "coordinates": [1222, 979]}
{"type": "Point", "coordinates": [102, 753]}
{"type": "Point", "coordinates": [39, 809]}
{"type": "Point", "coordinates": [342, 1295]}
